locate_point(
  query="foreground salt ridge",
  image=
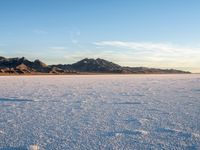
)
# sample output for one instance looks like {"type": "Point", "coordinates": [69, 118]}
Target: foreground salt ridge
{"type": "Point", "coordinates": [100, 112]}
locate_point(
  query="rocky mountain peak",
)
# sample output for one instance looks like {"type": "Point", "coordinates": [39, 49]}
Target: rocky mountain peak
{"type": "Point", "coordinates": [40, 63]}
{"type": "Point", "coordinates": [1, 58]}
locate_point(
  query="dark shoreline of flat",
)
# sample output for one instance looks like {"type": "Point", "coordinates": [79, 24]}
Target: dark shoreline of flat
{"type": "Point", "coordinates": [77, 74]}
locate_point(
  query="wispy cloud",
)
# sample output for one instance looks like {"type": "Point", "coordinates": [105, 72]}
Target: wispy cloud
{"type": "Point", "coordinates": [39, 31]}
{"type": "Point", "coordinates": [148, 46]}
{"type": "Point", "coordinates": [154, 51]}
{"type": "Point", "coordinates": [58, 48]}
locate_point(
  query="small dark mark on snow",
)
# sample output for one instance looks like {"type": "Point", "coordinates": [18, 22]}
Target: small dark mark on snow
{"type": "Point", "coordinates": [15, 100]}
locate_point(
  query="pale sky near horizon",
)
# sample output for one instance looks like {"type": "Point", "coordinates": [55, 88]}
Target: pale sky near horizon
{"type": "Point", "coordinates": [151, 33]}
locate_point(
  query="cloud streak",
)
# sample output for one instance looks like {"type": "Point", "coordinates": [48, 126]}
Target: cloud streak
{"type": "Point", "coordinates": [40, 32]}
{"type": "Point", "coordinates": [58, 48]}
{"type": "Point", "coordinates": [148, 46]}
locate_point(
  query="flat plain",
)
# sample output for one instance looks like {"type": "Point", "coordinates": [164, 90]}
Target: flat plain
{"type": "Point", "coordinates": [100, 112]}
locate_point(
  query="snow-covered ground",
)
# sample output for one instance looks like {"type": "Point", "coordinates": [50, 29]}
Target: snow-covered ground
{"type": "Point", "coordinates": [100, 112]}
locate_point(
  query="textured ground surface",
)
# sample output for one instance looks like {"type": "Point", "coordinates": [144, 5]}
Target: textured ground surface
{"type": "Point", "coordinates": [100, 112]}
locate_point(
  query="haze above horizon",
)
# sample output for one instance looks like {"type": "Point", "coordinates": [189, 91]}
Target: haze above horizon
{"type": "Point", "coordinates": [156, 33]}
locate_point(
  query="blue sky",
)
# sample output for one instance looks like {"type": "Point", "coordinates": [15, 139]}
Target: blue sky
{"type": "Point", "coordinates": [152, 33]}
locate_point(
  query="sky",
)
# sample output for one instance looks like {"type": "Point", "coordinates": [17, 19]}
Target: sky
{"type": "Point", "coordinates": [151, 33]}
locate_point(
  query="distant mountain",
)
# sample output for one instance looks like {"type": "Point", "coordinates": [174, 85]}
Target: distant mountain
{"type": "Point", "coordinates": [24, 66]}
{"type": "Point", "coordinates": [96, 65]}
{"type": "Point", "coordinates": [103, 66]}
{"type": "Point", "coordinates": [145, 70]}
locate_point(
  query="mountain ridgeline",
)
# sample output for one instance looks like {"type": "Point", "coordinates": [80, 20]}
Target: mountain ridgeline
{"type": "Point", "coordinates": [25, 66]}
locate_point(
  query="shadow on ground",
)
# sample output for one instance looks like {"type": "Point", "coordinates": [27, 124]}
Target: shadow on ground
{"type": "Point", "coordinates": [14, 148]}
{"type": "Point", "coordinates": [14, 100]}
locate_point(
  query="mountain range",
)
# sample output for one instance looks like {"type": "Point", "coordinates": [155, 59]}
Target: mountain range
{"type": "Point", "coordinates": [25, 66]}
